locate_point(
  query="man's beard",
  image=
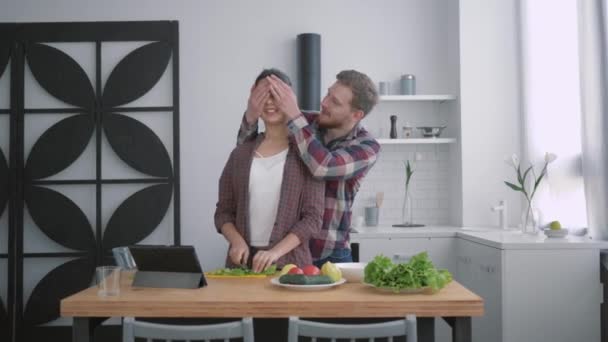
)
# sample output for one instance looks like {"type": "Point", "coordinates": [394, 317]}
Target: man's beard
{"type": "Point", "coordinates": [327, 123]}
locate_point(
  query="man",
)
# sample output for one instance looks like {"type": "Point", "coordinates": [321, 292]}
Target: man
{"type": "Point", "coordinates": [333, 146]}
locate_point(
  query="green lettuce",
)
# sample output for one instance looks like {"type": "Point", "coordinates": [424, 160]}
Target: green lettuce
{"type": "Point", "coordinates": [419, 272]}
{"type": "Point", "coordinates": [242, 271]}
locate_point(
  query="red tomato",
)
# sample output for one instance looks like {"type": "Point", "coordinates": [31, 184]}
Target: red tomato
{"type": "Point", "coordinates": [295, 270]}
{"type": "Point", "coordinates": [311, 270]}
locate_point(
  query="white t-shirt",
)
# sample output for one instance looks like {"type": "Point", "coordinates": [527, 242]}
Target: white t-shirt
{"type": "Point", "coordinates": [265, 179]}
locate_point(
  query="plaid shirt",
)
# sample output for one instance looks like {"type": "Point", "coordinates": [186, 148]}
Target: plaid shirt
{"type": "Point", "coordinates": [300, 205]}
{"type": "Point", "coordinates": [342, 163]}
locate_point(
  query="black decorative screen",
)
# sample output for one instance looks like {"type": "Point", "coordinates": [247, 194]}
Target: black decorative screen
{"type": "Point", "coordinates": [89, 158]}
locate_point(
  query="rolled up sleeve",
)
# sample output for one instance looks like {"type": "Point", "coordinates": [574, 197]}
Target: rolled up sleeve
{"type": "Point", "coordinates": [225, 210]}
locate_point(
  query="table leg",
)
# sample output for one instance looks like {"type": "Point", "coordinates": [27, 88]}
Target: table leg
{"type": "Point", "coordinates": [426, 329]}
{"type": "Point", "coordinates": [461, 328]}
{"type": "Point", "coordinates": [461, 332]}
{"type": "Point", "coordinates": [83, 328]}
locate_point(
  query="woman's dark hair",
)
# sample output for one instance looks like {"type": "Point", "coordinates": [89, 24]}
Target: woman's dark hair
{"type": "Point", "coordinates": [278, 73]}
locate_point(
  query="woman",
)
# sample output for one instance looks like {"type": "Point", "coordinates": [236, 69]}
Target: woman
{"type": "Point", "coordinates": [269, 205]}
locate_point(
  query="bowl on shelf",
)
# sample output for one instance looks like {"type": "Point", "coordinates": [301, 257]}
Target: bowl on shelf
{"type": "Point", "coordinates": [431, 131]}
{"type": "Point", "coordinates": [556, 233]}
{"type": "Point", "coordinates": [352, 271]}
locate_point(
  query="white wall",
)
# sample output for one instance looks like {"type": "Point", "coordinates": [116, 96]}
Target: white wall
{"type": "Point", "coordinates": [225, 44]}
{"type": "Point", "coordinates": [490, 107]}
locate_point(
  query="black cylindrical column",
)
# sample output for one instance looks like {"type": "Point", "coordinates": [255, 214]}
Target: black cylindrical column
{"type": "Point", "coordinates": [309, 72]}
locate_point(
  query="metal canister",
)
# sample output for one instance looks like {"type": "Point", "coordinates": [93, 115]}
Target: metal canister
{"type": "Point", "coordinates": [408, 84]}
{"type": "Point", "coordinates": [384, 88]}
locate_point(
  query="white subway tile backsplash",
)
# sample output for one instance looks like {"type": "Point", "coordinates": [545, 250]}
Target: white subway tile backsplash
{"type": "Point", "coordinates": [443, 148]}
{"type": "Point", "coordinates": [425, 148]}
{"type": "Point", "coordinates": [425, 185]}
{"type": "Point", "coordinates": [429, 186]}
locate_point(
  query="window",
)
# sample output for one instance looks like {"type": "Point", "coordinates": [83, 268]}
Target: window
{"type": "Point", "coordinates": [551, 106]}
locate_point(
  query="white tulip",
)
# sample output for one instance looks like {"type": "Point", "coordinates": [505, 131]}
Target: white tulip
{"type": "Point", "coordinates": [550, 157]}
{"type": "Point", "coordinates": [515, 160]}
{"type": "Point", "coordinates": [508, 161]}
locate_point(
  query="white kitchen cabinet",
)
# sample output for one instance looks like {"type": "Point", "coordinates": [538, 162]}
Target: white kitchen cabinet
{"type": "Point", "coordinates": [532, 294]}
{"type": "Point", "coordinates": [552, 295]}
{"type": "Point", "coordinates": [479, 268]}
{"type": "Point", "coordinates": [535, 289]}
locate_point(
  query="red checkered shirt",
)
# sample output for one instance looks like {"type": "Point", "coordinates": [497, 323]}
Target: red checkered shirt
{"type": "Point", "coordinates": [342, 163]}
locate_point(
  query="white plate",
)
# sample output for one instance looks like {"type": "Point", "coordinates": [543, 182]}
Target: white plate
{"type": "Point", "coordinates": [275, 281]}
{"type": "Point", "coordinates": [404, 291]}
{"type": "Point", "coordinates": [560, 233]}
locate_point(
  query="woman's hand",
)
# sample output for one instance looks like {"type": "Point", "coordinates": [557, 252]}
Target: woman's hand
{"type": "Point", "coordinates": [239, 252]}
{"type": "Point", "coordinates": [264, 259]}
{"type": "Point", "coordinates": [257, 97]}
{"type": "Point", "coordinates": [284, 97]}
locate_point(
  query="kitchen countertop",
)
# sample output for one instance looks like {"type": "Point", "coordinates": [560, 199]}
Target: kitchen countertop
{"type": "Point", "coordinates": [388, 231]}
{"type": "Point", "coordinates": [493, 237]}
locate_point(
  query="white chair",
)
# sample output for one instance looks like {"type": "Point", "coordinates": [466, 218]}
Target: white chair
{"type": "Point", "coordinates": [154, 331]}
{"type": "Point", "coordinates": [332, 331]}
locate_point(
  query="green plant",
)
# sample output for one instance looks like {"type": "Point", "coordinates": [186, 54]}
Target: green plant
{"type": "Point", "coordinates": [408, 174]}
{"type": "Point", "coordinates": [526, 187]}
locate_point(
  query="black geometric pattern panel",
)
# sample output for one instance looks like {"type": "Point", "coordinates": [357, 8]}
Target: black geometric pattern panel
{"type": "Point", "coordinates": [93, 111]}
{"type": "Point", "coordinates": [4, 168]}
{"type": "Point", "coordinates": [4, 179]}
{"type": "Point", "coordinates": [60, 75]}
{"type": "Point", "coordinates": [145, 208]}
{"type": "Point", "coordinates": [137, 145]}
{"type": "Point", "coordinates": [5, 52]}
{"type": "Point", "coordinates": [59, 146]}
{"type": "Point", "coordinates": [60, 219]}
{"type": "Point", "coordinates": [43, 304]}
{"type": "Point", "coordinates": [136, 74]}
{"type": "Point", "coordinates": [3, 318]}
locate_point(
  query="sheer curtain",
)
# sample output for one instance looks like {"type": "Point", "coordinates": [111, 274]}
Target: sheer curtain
{"type": "Point", "coordinates": [594, 100]}
{"type": "Point", "coordinates": [551, 107]}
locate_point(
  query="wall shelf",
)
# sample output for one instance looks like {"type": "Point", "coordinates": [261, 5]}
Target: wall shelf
{"type": "Point", "coordinates": [417, 97]}
{"type": "Point", "coordinates": [416, 141]}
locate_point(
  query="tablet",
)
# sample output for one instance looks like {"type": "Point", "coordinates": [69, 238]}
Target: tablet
{"type": "Point", "coordinates": [162, 266]}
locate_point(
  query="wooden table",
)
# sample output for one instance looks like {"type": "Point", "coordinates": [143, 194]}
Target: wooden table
{"type": "Point", "coordinates": [256, 297]}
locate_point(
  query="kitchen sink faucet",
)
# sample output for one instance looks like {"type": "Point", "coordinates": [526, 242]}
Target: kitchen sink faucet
{"type": "Point", "coordinates": [502, 215]}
